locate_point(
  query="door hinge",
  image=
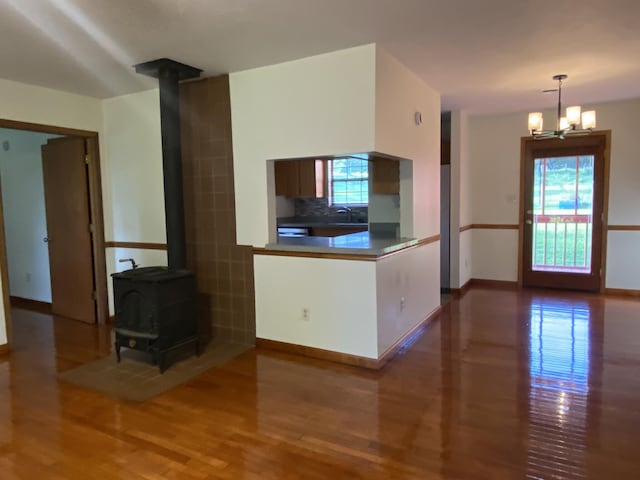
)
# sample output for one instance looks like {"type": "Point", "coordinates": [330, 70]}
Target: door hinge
{"type": "Point", "coordinates": [91, 228]}
{"type": "Point", "coordinates": [94, 295]}
{"type": "Point", "coordinates": [86, 159]}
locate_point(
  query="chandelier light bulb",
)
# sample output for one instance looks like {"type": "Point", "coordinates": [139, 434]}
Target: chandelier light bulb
{"type": "Point", "coordinates": [573, 115]}
{"type": "Point", "coordinates": [535, 121]}
{"type": "Point", "coordinates": [589, 119]}
{"type": "Point", "coordinates": [564, 123]}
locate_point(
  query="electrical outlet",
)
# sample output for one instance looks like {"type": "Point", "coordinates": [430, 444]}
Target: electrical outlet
{"type": "Point", "coordinates": [402, 302]}
{"type": "Point", "coordinates": [306, 316]}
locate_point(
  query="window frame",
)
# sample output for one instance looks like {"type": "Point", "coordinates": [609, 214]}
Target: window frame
{"type": "Point", "coordinates": [331, 181]}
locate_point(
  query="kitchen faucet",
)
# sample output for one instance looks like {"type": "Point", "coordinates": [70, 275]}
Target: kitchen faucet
{"type": "Point", "coordinates": [346, 210]}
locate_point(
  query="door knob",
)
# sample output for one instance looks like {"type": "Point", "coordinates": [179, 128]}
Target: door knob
{"type": "Point", "coordinates": [45, 239]}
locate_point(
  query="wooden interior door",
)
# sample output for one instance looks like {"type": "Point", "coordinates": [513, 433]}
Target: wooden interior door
{"type": "Point", "coordinates": [68, 228]}
{"type": "Point", "coordinates": [564, 192]}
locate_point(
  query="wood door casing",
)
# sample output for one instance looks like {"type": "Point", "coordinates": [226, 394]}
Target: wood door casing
{"type": "Point", "coordinates": [68, 228]}
{"type": "Point", "coordinates": [597, 145]}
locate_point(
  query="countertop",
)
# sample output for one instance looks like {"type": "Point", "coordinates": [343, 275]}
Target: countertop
{"type": "Point", "coordinates": [361, 243]}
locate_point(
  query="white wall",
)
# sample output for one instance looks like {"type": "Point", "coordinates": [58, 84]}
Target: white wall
{"type": "Point", "coordinates": [623, 256]}
{"type": "Point", "coordinates": [320, 105]}
{"type": "Point", "coordinates": [355, 100]}
{"type": "Point", "coordinates": [383, 208]}
{"type": "Point", "coordinates": [465, 260]}
{"type": "Point", "coordinates": [494, 144]}
{"type": "Point", "coordinates": [406, 295]}
{"type": "Point", "coordinates": [494, 172]}
{"type": "Point", "coordinates": [460, 200]}
{"type": "Point", "coordinates": [32, 104]}
{"type": "Point", "coordinates": [339, 295]}
{"type": "Point", "coordinates": [399, 94]}
{"type": "Point", "coordinates": [28, 103]}
{"type": "Point", "coordinates": [623, 260]}
{"type": "Point", "coordinates": [133, 147]}
{"type": "Point", "coordinates": [25, 219]}
{"type": "Point", "coordinates": [495, 254]}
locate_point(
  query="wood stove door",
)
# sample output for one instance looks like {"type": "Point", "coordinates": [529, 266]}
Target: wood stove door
{"type": "Point", "coordinates": [68, 228]}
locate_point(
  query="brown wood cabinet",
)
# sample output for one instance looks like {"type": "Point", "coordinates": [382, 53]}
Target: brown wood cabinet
{"type": "Point", "coordinates": [331, 231]}
{"type": "Point", "coordinates": [385, 176]}
{"type": "Point", "coordinates": [300, 178]}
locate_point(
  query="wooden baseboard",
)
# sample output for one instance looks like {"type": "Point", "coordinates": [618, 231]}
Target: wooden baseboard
{"type": "Point", "coordinates": [407, 339]}
{"type": "Point", "coordinates": [4, 349]}
{"type": "Point", "coordinates": [348, 359]}
{"type": "Point", "coordinates": [622, 291]}
{"type": "Point", "coordinates": [29, 304]}
{"type": "Point", "coordinates": [459, 292]}
{"type": "Point", "coordinates": [319, 353]}
{"type": "Point", "coordinates": [498, 284]}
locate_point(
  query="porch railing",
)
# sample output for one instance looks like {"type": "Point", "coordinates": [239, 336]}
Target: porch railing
{"type": "Point", "coordinates": [562, 243]}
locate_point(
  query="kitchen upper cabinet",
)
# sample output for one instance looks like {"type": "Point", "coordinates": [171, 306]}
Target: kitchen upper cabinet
{"type": "Point", "coordinates": [300, 178]}
{"type": "Point", "coordinates": [385, 176]}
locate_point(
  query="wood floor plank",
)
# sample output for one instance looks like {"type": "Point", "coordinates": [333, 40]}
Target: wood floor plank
{"type": "Point", "coordinates": [504, 384]}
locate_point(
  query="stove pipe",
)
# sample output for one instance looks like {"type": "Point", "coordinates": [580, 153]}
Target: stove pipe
{"type": "Point", "coordinates": [169, 73]}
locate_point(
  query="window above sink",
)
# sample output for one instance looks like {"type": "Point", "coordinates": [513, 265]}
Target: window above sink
{"type": "Point", "coordinates": [348, 181]}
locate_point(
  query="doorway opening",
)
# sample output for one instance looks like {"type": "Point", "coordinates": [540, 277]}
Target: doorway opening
{"type": "Point", "coordinates": [563, 212]}
{"type": "Point", "coordinates": [56, 182]}
{"type": "Point", "coordinates": [445, 206]}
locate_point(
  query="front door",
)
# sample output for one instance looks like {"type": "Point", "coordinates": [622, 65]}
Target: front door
{"type": "Point", "coordinates": [563, 217]}
{"type": "Point", "coordinates": [66, 192]}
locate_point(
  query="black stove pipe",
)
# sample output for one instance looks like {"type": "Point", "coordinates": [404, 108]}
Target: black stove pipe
{"type": "Point", "coordinates": [169, 73]}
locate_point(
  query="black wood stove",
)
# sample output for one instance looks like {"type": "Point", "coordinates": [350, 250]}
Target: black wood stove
{"type": "Point", "coordinates": [155, 311]}
{"type": "Point", "coordinates": [156, 306]}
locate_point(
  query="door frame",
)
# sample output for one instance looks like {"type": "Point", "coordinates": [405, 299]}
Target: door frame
{"type": "Point", "coordinates": [602, 135]}
{"type": "Point", "coordinates": [97, 217]}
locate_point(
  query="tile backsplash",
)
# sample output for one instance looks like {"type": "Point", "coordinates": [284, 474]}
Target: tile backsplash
{"type": "Point", "coordinates": [313, 207]}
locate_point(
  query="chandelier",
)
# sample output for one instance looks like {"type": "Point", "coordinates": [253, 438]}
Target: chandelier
{"type": "Point", "coordinates": [573, 123]}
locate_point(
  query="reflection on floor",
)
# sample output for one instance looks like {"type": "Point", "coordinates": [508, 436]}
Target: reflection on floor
{"type": "Point", "coordinates": [559, 385]}
{"type": "Point", "coordinates": [507, 384]}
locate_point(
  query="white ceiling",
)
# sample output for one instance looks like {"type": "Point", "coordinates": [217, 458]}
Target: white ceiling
{"type": "Point", "coordinates": [484, 56]}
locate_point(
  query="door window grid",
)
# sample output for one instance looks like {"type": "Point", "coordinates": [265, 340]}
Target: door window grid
{"type": "Point", "coordinates": [349, 181]}
{"type": "Point", "coordinates": [562, 214]}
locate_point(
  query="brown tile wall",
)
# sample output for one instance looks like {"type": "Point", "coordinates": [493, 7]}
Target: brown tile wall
{"type": "Point", "coordinates": [224, 270]}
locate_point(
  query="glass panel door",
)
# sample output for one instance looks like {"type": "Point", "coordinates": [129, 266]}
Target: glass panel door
{"type": "Point", "coordinates": [562, 220]}
{"type": "Point", "coordinates": [562, 214]}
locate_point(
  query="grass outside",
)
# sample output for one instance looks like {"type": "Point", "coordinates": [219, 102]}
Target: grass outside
{"type": "Point", "coordinates": [565, 244]}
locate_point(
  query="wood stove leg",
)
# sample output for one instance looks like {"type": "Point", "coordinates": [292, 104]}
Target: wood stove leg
{"type": "Point", "coordinates": [117, 347]}
{"type": "Point", "coordinates": [162, 362]}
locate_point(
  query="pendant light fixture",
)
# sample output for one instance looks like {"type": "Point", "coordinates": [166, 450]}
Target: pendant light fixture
{"type": "Point", "coordinates": [574, 122]}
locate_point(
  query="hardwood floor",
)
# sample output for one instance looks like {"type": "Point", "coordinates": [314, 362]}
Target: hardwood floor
{"type": "Point", "coordinates": [507, 384]}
